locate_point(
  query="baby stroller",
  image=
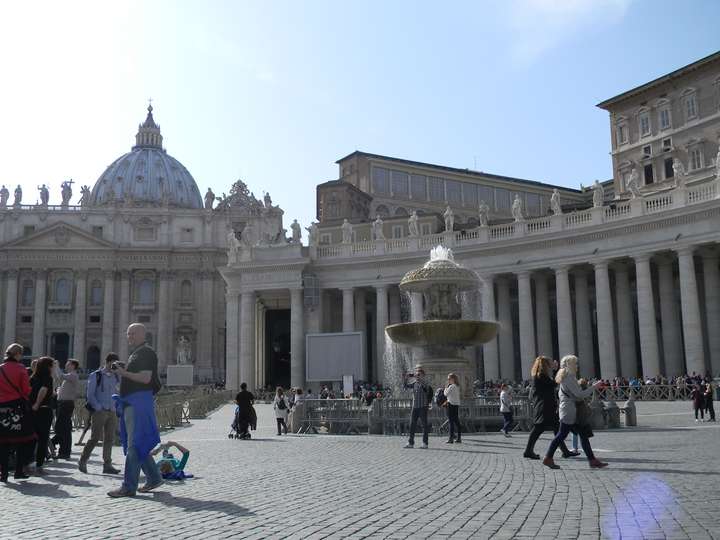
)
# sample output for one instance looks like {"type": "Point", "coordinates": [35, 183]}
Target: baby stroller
{"type": "Point", "coordinates": [242, 424]}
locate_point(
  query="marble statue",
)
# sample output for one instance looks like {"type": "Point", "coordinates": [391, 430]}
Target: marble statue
{"type": "Point", "coordinates": [678, 172]}
{"type": "Point", "coordinates": [312, 234]}
{"type": "Point", "coordinates": [247, 236]}
{"type": "Point", "coordinates": [347, 230]}
{"type": "Point", "coordinates": [267, 200]}
{"type": "Point", "coordinates": [517, 209]}
{"type": "Point", "coordinates": [18, 196]}
{"type": "Point", "coordinates": [413, 225]}
{"type": "Point", "coordinates": [296, 231]}
{"type": "Point", "coordinates": [84, 196]}
{"type": "Point", "coordinates": [377, 228]}
{"type": "Point", "coordinates": [4, 196]}
{"type": "Point", "coordinates": [209, 199]}
{"type": "Point", "coordinates": [555, 203]}
{"type": "Point", "coordinates": [66, 191]}
{"type": "Point", "coordinates": [449, 219]}
{"type": "Point", "coordinates": [598, 194]}
{"type": "Point", "coordinates": [184, 353]}
{"type": "Point", "coordinates": [44, 194]}
{"type": "Point", "coordinates": [483, 211]}
{"type": "Point", "coordinates": [232, 240]}
{"type": "Point", "coordinates": [633, 185]}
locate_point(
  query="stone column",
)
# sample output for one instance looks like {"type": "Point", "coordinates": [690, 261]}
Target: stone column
{"type": "Point", "coordinates": [670, 318]}
{"type": "Point", "coordinates": [381, 320]}
{"type": "Point", "coordinates": [297, 337]}
{"type": "Point", "coordinates": [204, 302]}
{"type": "Point", "coordinates": [646, 317]}
{"type": "Point", "coordinates": [605, 324]}
{"type": "Point", "coordinates": [542, 315]}
{"type": "Point", "coordinates": [232, 334]}
{"type": "Point", "coordinates": [108, 320]}
{"type": "Point", "coordinates": [566, 340]}
{"type": "Point", "coordinates": [526, 323]}
{"type": "Point", "coordinates": [626, 322]}
{"type": "Point", "coordinates": [348, 310]}
{"type": "Point", "coordinates": [505, 336]}
{"type": "Point", "coordinates": [38, 346]}
{"type": "Point", "coordinates": [711, 276]}
{"type": "Point", "coordinates": [11, 303]}
{"type": "Point", "coordinates": [247, 338]}
{"type": "Point", "coordinates": [691, 322]}
{"type": "Point", "coordinates": [583, 323]}
{"type": "Point", "coordinates": [80, 317]}
{"type": "Point", "coordinates": [361, 326]}
{"type": "Point", "coordinates": [491, 363]}
{"type": "Point", "coordinates": [165, 323]}
{"type": "Point", "coordinates": [123, 315]}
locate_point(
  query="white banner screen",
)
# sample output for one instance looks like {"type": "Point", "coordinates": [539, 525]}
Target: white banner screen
{"type": "Point", "coordinates": [330, 356]}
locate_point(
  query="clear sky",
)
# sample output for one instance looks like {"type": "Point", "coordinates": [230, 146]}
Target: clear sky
{"type": "Point", "coordinates": [276, 91]}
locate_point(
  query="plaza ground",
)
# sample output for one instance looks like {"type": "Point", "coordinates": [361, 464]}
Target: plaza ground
{"type": "Point", "coordinates": [663, 482]}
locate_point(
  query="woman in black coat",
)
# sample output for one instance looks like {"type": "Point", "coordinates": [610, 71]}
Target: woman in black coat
{"type": "Point", "coordinates": [545, 411]}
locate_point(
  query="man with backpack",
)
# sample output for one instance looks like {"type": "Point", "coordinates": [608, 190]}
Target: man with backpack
{"type": "Point", "coordinates": [422, 394]}
{"type": "Point", "coordinates": [101, 385]}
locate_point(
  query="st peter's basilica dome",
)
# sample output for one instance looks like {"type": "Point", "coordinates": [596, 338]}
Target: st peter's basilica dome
{"type": "Point", "coordinates": [147, 175]}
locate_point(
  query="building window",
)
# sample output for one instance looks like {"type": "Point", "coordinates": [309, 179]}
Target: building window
{"type": "Point", "coordinates": [454, 192]}
{"type": "Point", "coordinates": [470, 194]}
{"type": "Point", "coordinates": [503, 198]}
{"type": "Point", "coordinates": [145, 233]}
{"type": "Point", "coordinates": [644, 124]}
{"type": "Point", "coordinates": [380, 181]}
{"type": "Point", "coordinates": [397, 231]}
{"type": "Point", "coordinates": [437, 189]}
{"type": "Point", "coordinates": [425, 229]}
{"type": "Point", "coordinates": [28, 293]}
{"type": "Point", "coordinates": [186, 292]}
{"type": "Point", "coordinates": [696, 158]}
{"type": "Point", "coordinates": [664, 118]}
{"type": "Point", "coordinates": [649, 177]}
{"type": "Point", "coordinates": [96, 293]}
{"type": "Point", "coordinates": [669, 172]}
{"type": "Point", "coordinates": [146, 290]}
{"type": "Point", "coordinates": [95, 319]}
{"type": "Point", "coordinates": [418, 187]}
{"type": "Point", "coordinates": [621, 134]}
{"type": "Point", "coordinates": [400, 184]}
{"type": "Point", "coordinates": [667, 144]}
{"type": "Point", "coordinates": [647, 150]}
{"type": "Point", "coordinates": [97, 231]}
{"type": "Point", "coordinates": [28, 230]}
{"type": "Point", "coordinates": [690, 106]}
{"type": "Point", "coordinates": [532, 202]}
{"type": "Point", "coordinates": [486, 194]}
{"type": "Point", "coordinates": [325, 238]}
{"type": "Point", "coordinates": [62, 291]}
{"type": "Point", "coordinates": [26, 319]}
{"type": "Point", "coordinates": [187, 235]}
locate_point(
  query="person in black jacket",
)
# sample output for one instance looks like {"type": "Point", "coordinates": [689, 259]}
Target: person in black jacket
{"type": "Point", "coordinates": [246, 412]}
{"type": "Point", "coordinates": [544, 399]}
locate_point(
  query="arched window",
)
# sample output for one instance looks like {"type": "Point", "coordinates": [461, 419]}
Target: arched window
{"type": "Point", "coordinates": [146, 290]}
{"type": "Point", "coordinates": [186, 292]}
{"type": "Point", "coordinates": [382, 211]}
{"type": "Point", "coordinates": [400, 211]}
{"type": "Point", "coordinates": [62, 291]}
{"type": "Point", "coordinates": [96, 293]}
{"type": "Point", "coordinates": [28, 293]}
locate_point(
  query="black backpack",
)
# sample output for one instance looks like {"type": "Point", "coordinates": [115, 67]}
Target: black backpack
{"type": "Point", "coordinates": [281, 405]}
{"type": "Point", "coordinates": [440, 397]}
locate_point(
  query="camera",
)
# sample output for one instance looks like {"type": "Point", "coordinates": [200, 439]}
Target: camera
{"type": "Point", "coordinates": [116, 365]}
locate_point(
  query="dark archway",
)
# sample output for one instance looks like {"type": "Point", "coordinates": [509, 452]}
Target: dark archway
{"type": "Point", "coordinates": [277, 347]}
{"type": "Point", "coordinates": [92, 358]}
{"type": "Point", "coordinates": [60, 347]}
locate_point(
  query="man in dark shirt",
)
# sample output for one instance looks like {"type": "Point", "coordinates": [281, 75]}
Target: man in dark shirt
{"type": "Point", "coordinates": [422, 399]}
{"type": "Point", "coordinates": [246, 411]}
{"type": "Point", "coordinates": [138, 380]}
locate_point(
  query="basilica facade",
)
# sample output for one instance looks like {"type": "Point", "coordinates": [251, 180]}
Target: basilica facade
{"type": "Point", "coordinates": [141, 245]}
{"type": "Point", "coordinates": [624, 273]}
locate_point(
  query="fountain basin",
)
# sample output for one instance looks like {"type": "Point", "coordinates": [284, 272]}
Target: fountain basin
{"type": "Point", "coordinates": [458, 333]}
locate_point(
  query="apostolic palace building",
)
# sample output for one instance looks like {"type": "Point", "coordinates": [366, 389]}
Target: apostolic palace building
{"type": "Point", "coordinates": [624, 273]}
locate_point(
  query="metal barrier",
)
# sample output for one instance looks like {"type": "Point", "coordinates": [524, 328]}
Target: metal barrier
{"type": "Point", "coordinates": [648, 392]}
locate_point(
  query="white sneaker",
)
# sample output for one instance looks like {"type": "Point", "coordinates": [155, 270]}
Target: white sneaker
{"type": "Point", "coordinates": [424, 446]}
{"type": "Point", "coordinates": [408, 445]}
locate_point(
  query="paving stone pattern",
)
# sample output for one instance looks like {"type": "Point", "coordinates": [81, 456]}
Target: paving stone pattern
{"type": "Point", "coordinates": [663, 482]}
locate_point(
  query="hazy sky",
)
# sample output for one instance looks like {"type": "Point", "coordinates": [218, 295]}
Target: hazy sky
{"type": "Point", "coordinates": [275, 92]}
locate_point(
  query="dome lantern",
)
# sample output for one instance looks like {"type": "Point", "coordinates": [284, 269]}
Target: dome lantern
{"type": "Point", "coordinates": [148, 135]}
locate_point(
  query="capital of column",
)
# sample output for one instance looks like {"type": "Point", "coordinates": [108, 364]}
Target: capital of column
{"type": "Point", "coordinates": [601, 265]}
{"type": "Point", "coordinates": [41, 274]}
{"type": "Point", "coordinates": [381, 287]}
{"type": "Point", "coordinates": [685, 251]}
{"type": "Point", "coordinates": [125, 274]}
{"type": "Point", "coordinates": [80, 274]}
{"type": "Point", "coordinates": [564, 269]}
{"type": "Point", "coordinates": [109, 274]}
{"type": "Point", "coordinates": [13, 274]}
{"type": "Point", "coordinates": [642, 257]}
{"type": "Point", "coordinates": [523, 274]}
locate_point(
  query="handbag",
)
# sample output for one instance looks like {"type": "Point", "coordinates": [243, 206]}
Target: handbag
{"type": "Point", "coordinates": [15, 416]}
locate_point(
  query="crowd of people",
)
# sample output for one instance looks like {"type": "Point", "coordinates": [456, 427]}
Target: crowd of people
{"type": "Point", "coordinates": [117, 394]}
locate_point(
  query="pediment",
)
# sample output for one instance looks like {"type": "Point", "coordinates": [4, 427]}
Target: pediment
{"type": "Point", "coordinates": [59, 236]}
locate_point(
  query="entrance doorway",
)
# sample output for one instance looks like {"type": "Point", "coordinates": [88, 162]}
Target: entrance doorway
{"type": "Point", "coordinates": [60, 347]}
{"type": "Point", "coordinates": [92, 359]}
{"type": "Point", "coordinates": [277, 347]}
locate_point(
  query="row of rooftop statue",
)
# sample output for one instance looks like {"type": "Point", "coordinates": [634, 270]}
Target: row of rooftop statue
{"type": "Point", "coordinates": [65, 192]}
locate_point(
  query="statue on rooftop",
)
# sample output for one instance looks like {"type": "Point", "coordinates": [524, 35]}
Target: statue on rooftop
{"type": "Point", "coordinates": [18, 196]}
{"type": "Point", "coordinates": [449, 219]}
{"type": "Point", "coordinates": [347, 230]}
{"type": "Point", "coordinates": [483, 211]}
{"type": "Point", "coordinates": [4, 196]}
{"type": "Point", "coordinates": [555, 203]}
{"type": "Point", "coordinates": [517, 209]}
{"type": "Point", "coordinates": [209, 199]}
{"type": "Point", "coordinates": [66, 191]}
{"type": "Point", "coordinates": [44, 195]}
{"type": "Point", "coordinates": [598, 194]}
{"type": "Point", "coordinates": [413, 228]}
{"type": "Point", "coordinates": [296, 231]}
{"type": "Point", "coordinates": [377, 228]}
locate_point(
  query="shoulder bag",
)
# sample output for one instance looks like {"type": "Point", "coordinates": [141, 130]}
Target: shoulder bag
{"type": "Point", "coordinates": [15, 416]}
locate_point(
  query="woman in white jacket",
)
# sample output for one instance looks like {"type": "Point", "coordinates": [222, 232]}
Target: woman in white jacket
{"type": "Point", "coordinates": [280, 406]}
{"type": "Point", "coordinates": [570, 393]}
{"type": "Point", "coordinates": [452, 393]}
{"type": "Point", "coordinates": [506, 409]}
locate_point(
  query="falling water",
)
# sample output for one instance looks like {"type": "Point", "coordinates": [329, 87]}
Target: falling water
{"type": "Point", "coordinates": [399, 360]}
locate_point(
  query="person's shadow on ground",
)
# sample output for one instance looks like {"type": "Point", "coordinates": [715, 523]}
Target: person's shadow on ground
{"type": "Point", "coordinates": [39, 490]}
{"type": "Point", "coordinates": [198, 505]}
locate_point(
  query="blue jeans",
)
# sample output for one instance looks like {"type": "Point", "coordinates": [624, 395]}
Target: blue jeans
{"type": "Point", "coordinates": [422, 415]}
{"type": "Point", "coordinates": [133, 465]}
{"type": "Point", "coordinates": [562, 435]}
{"type": "Point", "coordinates": [507, 421]}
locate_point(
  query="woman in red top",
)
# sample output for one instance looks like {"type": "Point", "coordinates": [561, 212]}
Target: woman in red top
{"type": "Point", "coordinates": [16, 426]}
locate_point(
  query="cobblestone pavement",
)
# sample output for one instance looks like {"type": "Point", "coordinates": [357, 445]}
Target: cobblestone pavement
{"type": "Point", "coordinates": [663, 482]}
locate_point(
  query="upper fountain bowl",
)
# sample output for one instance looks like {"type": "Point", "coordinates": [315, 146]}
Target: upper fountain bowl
{"type": "Point", "coordinates": [441, 269]}
{"type": "Point", "coordinates": [443, 333]}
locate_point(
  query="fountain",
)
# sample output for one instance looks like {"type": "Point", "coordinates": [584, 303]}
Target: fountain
{"type": "Point", "coordinates": [443, 333]}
